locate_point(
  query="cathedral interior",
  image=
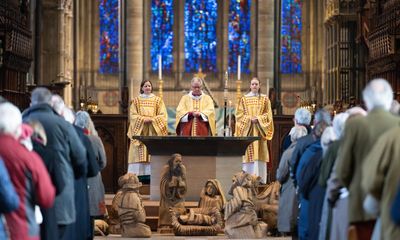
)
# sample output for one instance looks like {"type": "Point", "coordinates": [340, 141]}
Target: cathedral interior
{"type": "Point", "coordinates": [95, 53]}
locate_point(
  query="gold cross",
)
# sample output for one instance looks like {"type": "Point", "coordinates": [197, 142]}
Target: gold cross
{"type": "Point", "coordinates": [200, 74]}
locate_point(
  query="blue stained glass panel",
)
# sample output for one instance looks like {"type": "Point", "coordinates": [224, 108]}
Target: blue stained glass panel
{"type": "Point", "coordinates": [162, 35]}
{"type": "Point", "coordinates": [291, 27]}
{"type": "Point", "coordinates": [239, 35]}
{"type": "Point", "coordinates": [201, 35]}
{"type": "Point", "coordinates": [109, 40]}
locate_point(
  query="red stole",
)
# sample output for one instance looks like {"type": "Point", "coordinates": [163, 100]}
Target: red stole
{"type": "Point", "coordinates": [194, 127]}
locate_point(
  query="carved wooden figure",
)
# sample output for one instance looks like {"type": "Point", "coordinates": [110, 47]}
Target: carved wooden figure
{"type": "Point", "coordinates": [212, 195]}
{"type": "Point", "coordinates": [240, 216]}
{"type": "Point", "coordinates": [205, 220]}
{"type": "Point", "coordinates": [196, 221]}
{"type": "Point", "coordinates": [267, 204]}
{"type": "Point", "coordinates": [172, 190]}
{"type": "Point", "coordinates": [132, 215]}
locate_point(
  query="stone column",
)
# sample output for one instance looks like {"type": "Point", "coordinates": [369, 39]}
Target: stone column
{"type": "Point", "coordinates": [49, 42]}
{"type": "Point", "coordinates": [265, 41]}
{"type": "Point", "coordinates": [56, 42]}
{"type": "Point", "coordinates": [60, 36]}
{"type": "Point", "coordinates": [134, 45]}
{"type": "Point", "coordinates": [67, 52]}
{"type": "Point", "coordinates": [87, 45]}
{"type": "Point", "coordinates": [321, 50]}
{"type": "Point", "coordinates": [316, 41]}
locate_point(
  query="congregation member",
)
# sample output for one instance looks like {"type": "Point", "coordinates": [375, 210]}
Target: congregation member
{"type": "Point", "coordinates": [330, 144]}
{"type": "Point", "coordinates": [337, 195]}
{"type": "Point", "coordinates": [9, 200]}
{"type": "Point", "coordinates": [380, 180]}
{"type": "Point", "coordinates": [310, 193]}
{"type": "Point", "coordinates": [97, 206]}
{"type": "Point", "coordinates": [82, 228]}
{"type": "Point", "coordinates": [64, 157]}
{"type": "Point", "coordinates": [359, 138]}
{"type": "Point", "coordinates": [304, 142]}
{"type": "Point", "coordinates": [254, 119]}
{"type": "Point", "coordinates": [148, 117]}
{"type": "Point", "coordinates": [195, 115]}
{"type": "Point", "coordinates": [287, 212]}
{"type": "Point", "coordinates": [28, 175]}
{"type": "Point", "coordinates": [302, 117]}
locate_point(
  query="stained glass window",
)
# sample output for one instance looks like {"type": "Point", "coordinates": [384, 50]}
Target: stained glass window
{"type": "Point", "coordinates": [200, 35]}
{"type": "Point", "coordinates": [109, 42]}
{"type": "Point", "coordinates": [291, 28]}
{"type": "Point", "coordinates": [162, 35]}
{"type": "Point", "coordinates": [239, 35]}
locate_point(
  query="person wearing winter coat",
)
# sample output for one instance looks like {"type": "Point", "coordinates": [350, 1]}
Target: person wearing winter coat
{"type": "Point", "coordinates": [287, 213]}
{"type": "Point", "coordinates": [64, 157]}
{"type": "Point", "coordinates": [9, 200]}
{"type": "Point", "coordinates": [28, 175]}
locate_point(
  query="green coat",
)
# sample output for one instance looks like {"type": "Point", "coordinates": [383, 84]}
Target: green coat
{"type": "Point", "coordinates": [382, 168]}
{"type": "Point", "coordinates": [360, 135]}
{"type": "Point", "coordinates": [327, 163]}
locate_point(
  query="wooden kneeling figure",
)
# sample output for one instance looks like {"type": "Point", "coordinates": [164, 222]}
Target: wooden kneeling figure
{"type": "Point", "coordinates": [132, 215]}
{"type": "Point", "coordinates": [212, 195]}
{"type": "Point", "coordinates": [240, 216]}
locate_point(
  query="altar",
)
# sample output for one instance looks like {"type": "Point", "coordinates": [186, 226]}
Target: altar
{"type": "Point", "coordinates": [204, 158]}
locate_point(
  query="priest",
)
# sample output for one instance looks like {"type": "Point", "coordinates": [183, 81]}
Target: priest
{"type": "Point", "coordinates": [195, 114]}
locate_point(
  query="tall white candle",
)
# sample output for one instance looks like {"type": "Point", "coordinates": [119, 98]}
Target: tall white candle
{"type": "Point", "coordinates": [239, 65]}
{"type": "Point", "coordinates": [268, 87]}
{"type": "Point", "coordinates": [159, 67]}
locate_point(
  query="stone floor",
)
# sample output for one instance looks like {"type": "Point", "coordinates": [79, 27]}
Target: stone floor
{"type": "Point", "coordinates": [165, 237]}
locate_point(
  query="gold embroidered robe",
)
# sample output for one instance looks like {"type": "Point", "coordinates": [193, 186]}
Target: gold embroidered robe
{"type": "Point", "coordinates": [260, 107]}
{"type": "Point", "coordinates": [204, 105]}
{"type": "Point", "coordinates": [141, 107]}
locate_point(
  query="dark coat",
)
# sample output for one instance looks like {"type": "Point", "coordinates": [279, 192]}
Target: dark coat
{"type": "Point", "coordinates": [64, 157]}
{"type": "Point", "coordinates": [301, 146]}
{"type": "Point", "coordinates": [287, 141]}
{"type": "Point", "coordinates": [82, 228]}
{"type": "Point", "coordinates": [304, 191]}
{"type": "Point", "coordinates": [309, 188]}
{"type": "Point", "coordinates": [395, 211]}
